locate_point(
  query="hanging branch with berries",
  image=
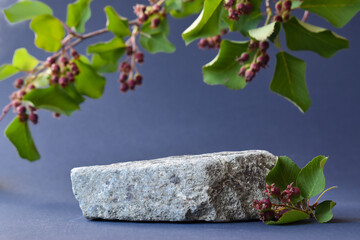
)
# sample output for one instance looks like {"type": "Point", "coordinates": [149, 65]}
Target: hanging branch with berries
{"type": "Point", "coordinates": [289, 190]}
{"type": "Point", "coordinates": [61, 83]}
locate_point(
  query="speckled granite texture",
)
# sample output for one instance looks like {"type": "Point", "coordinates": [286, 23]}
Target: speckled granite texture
{"type": "Point", "coordinates": [210, 187]}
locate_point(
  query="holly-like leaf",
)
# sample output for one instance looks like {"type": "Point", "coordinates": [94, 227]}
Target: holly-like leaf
{"type": "Point", "coordinates": [188, 8]}
{"type": "Point", "coordinates": [284, 173]}
{"type": "Point", "coordinates": [245, 22]}
{"type": "Point", "coordinates": [23, 61]}
{"type": "Point", "coordinates": [290, 217]}
{"type": "Point", "coordinates": [269, 31]}
{"type": "Point", "coordinates": [303, 36]}
{"type": "Point", "coordinates": [7, 70]}
{"type": "Point", "coordinates": [207, 24]}
{"type": "Point", "coordinates": [289, 80]}
{"type": "Point", "coordinates": [78, 14]}
{"type": "Point", "coordinates": [89, 82]}
{"type": "Point", "coordinates": [116, 23]}
{"type": "Point", "coordinates": [53, 99]}
{"type": "Point", "coordinates": [25, 10]}
{"type": "Point", "coordinates": [20, 136]}
{"type": "Point", "coordinates": [110, 51]}
{"type": "Point", "coordinates": [337, 12]}
{"type": "Point", "coordinates": [154, 40]}
{"type": "Point", "coordinates": [49, 32]}
{"type": "Point", "coordinates": [224, 69]}
{"type": "Point", "coordinates": [323, 211]}
{"type": "Point", "coordinates": [311, 180]}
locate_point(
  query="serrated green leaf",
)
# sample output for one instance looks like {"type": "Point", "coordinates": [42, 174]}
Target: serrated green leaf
{"type": "Point", "coordinates": [284, 173]}
{"type": "Point", "coordinates": [290, 217]}
{"type": "Point", "coordinates": [103, 66]}
{"type": "Point", "coordinates": [89, 82]}
{"type": "Point", "coordinates": [188, 8]}
{"type": "Point", "coordinates": [7, 70]}
{"type": "Point", "coordinates": [23, 61]}
{"type": "Point", "coordinates": [154, 40]}
{"type": "Point", "coordinates": [224, 69]}
{"type": "Point", "coordinates": [20, 136]}
{"type": "Point", "coordinates": [311, 180]}
{"type": "Point", "coordinates": [207, 24]}
{"type": "Point", "coordinates": [26, 10]}
{"type": "Point", "coordinates": [323, 211]}
{"type": "Point", "coordinates": [49, 32]}
{"type": "Point", "coordinates": [53, 99]}
{"type": "Point", "coordinates": [269, 31]}
{"type": "Point", "coordinates": [337, 12]}
{"type": "Point", "coordinates": [245, 22]}
{"type": "Point", "coordinates": [303, 36]}
{"type": "Point", "coordinates": [78, 14]}
{"type": "Point", "coordinates": [110, 51]}
{"type": "Point", "coordinates": [116, 23]}
{"type": "Point", "coordinates": [289, 80]}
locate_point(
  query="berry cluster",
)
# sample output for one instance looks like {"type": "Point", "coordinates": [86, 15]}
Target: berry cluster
{"type": "Point", "coordinates": [236, 8]}
{"type": "Point", "coordinates": [63, 71]}
{"type": "Point", "coordinates": [155, 12]}
{"type": "Point", "coordinates": [271, 211]}
{"type": "Point", "coordinates": [260, 60]}
{"type": "Point", "coordinates": [24, 111]}
{"type": "Point", "coordinates": [283, 9]}
{"type": "Point", "coordinates": [212, 42]}
{"type": "Point", "coordinates": [130, 77]}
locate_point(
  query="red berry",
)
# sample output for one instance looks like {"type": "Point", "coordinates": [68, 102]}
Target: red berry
{"type": "Point", "coordinates": [278, 19]}
{"type": "Point", "coordinates": [56, 115]}
{"type": "Point", "coordinates": [18, 83]}
{"type": "Point", "coordinates": [278, 6]}
{"type": "Point", "coordinates": [155, 22]}
{"type": "Point", "coordinates": [287, 5]}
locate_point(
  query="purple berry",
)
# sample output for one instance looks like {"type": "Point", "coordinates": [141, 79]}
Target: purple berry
{"type": "Point", "coordinates": [138, 79]}
{"type": "Point", "coordinates": [33, 117]}
{"type": "Point", "coordinates": [248, 8]}
{"type": "Point", "coordinates": [54, 80]}
{"type": "Point", "coordinates": [287, 5]}
{"type": "Point", "coordinates": [203, 43]}
{"type": "Point", "coordinates": [31, 87]}
{"type": "Point", "coordinates": [123, 77]}
{"type": "Point", "coordinates": [50, 60]}
{"type": "Point", "coordinates": [124, 88]}
{"type": "Point", "coordinates": [249, 75]}
{"type": "Point", "coordinates": [18, 83]}
{"type": "Point", "coordinates": [21, 93]}
{"type": "Point", "coordinates": [240, 7]}
{"type": "Point", "coordinates": [129, 50]}
{"type": "Point", "coordinates": [15, 103]}
{"type": "Point", "coordinates": [255, 67]}
{"type": "Point", "coordinates": [278, 18]}
{"type": "Point", "coordinates": [55, 69]}
{"type": "Point", "coordinates": [132, 84]}
{"type": "Point", "coordinates": [155, 22]}
{"type": "Point", "coordinates": [75, 54]}
{"type": "Point", "coordinates": [70, 77]}
{"type": "Point", "coordinates": [296, 192]}
{"type": "Point", "coordinates": [278, 6]}
{"type": "Point", "coordinates": [63, 81]}
{"type": "Point", "coordinates": [21, 109]}
{"type": "Point", "coordinates": [64, 60]}
{"type": "Point", "coordinates": [56, 115]}
{"type": "Point", "coordinates": [23, 117]}
{"type": "Point", "coordinates": [264, 45]}
{"type": "Point", "coordinates": [139, 57]}
{"type": "Point", "coordinates": [253, 45]}
{"type": "Point", "coordinates": [242, 71]}
{"type": "Point", "coordinates": [244, 57]}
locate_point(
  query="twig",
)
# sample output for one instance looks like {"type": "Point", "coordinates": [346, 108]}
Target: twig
{"type": "Point", "coordinates": [5, 111]}
{"type": "Point", "coordinates": [305, 17]}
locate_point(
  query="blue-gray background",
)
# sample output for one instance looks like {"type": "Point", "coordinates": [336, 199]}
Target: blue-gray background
{"type": "Point", "coordinates": [174, 112]}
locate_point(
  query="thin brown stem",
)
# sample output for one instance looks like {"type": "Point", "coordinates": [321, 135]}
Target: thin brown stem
{"type": "Point", "coordinates": [291, 207]}
{"type": "Point", "coordinates": [305, 17]}
{"type": "Point", "coordinates": [5, 111]}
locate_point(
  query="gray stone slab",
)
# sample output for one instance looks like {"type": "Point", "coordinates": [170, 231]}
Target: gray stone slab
{"type": "Point", "coordinates": [209, 187]}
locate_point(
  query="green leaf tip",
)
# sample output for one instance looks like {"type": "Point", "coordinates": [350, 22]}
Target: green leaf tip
{"type": "Point", "coordinates": [25, 10]}
{"type": "Point", "coordinates": [78, 14]}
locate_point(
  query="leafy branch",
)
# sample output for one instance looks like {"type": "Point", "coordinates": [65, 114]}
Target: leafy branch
{"type": "Point", "coordinates": [61, 83]}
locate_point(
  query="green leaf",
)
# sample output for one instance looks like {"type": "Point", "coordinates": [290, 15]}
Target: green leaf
{"type": "Point", "coordinates": [224, 69]}
{"type": "Point", "coordinates": [173, 5]}
{"type": "Point", "coordinates": [245, 22]}
{"type": "Point", "coordinates": [207, 24]}
{"type": "Point", "coordinates": [311, 180]}
{"type": "Point", "coordinates": [303, 36]}
{"type": "Point", "coordinates": [74, 94]}
{"type": "Point", "coordinates": [103, 66]}
{"type": "Point", "coordinates": [323, 211]}
{"type": "Point", "coordinates": [110, 51]}
{"type": "Point", "coordinates": [296, 4]}
{"type": "Point", "coordinates": [23, 61]}
{"type": "Point", "coordinates": [42, 79]}
{"type": "Point", "coordinates": [337, 12]}
{"type": "Point", "coordinates": [20, 136]}
{"type": "Point", "coordinates": [290, 217]}
{"type": "Point", "coordinates": [188, 8]}
{"type": "Point", "coordinates": [49, 32]}
{"type": "Point", "coordinates": [26, 10]}
{"type": "Point", "coordinates": [116, 23]}
{"type": "Point", "coordinates": [78, 14]}
{"type": "Point", "coordinates": [7, 70]}
{"type": "Point", "coordinates": [284, 173]}
{"type": "Point", "coordinates": [155, 40]}
{"type": "Point", "coordinates": [289, 80]}
{"type": "Point", "coordinates": [269, 31]}
{"type": "Point", "coordinates": [53, 99]}
{"type": "Point", "coordinates": [89, 82]}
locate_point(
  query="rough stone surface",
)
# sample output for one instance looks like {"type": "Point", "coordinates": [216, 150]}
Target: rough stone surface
{"type": "Point", "coordinates": [210, 187]}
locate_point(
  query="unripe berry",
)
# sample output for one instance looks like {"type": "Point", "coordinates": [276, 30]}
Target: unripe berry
{"type": "Point", "coordinates": [287, 5]}
{"type": "Point", "coordinates": [139, 57]}
{"type": "Point", "coordinates": [155, 22]}
{"type": "Point", "coordinates": [21, 109]}
{"type": "Point", "coordinates": [255, 67]}
{"type": "Point", "coordinates": [264, 45]}
{"type": "Point", "coordinates": [18, 83]}
{"type": "Point", "coordinates": [242, 72]}
{"type": "Point", "coordinates": [33, 117]}
{"type": "Point", "coordinates": [138, 79]}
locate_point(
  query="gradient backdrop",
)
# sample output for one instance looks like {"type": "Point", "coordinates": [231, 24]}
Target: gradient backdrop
{"type": "Point", "coordinates": [173, 113]}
